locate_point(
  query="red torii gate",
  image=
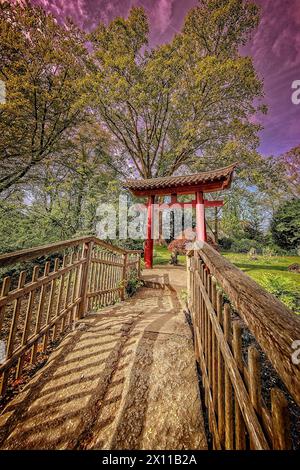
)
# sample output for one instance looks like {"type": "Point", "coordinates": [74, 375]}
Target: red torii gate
{"type": "Point", "coordinates": [198, 184]}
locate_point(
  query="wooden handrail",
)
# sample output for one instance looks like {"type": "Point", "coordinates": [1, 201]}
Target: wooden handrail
{"type": "Point", "coordinates": [274, 326]}
{"type": "Point", "coordinates": [32, 253]}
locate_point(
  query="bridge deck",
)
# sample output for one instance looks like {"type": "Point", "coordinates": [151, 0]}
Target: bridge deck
{"type": "Point", "coordinates": [124, 379]}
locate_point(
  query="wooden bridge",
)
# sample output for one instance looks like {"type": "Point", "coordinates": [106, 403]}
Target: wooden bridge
{"type": "Point", "coordinates": [197, 358]}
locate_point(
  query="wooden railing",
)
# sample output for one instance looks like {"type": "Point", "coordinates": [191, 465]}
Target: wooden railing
{"type": "Point", "coordinates": [240, 329]}
{"type": "Point", "coordinates": [54, 286]}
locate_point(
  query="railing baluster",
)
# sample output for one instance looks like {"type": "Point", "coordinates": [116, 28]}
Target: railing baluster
{"type": "Point", "coordinates": [12, 332]}
{"type": "Point", "coordinates": [229, 432]}
{"type": "Point", "coordinates": [59, 299]}
{"type": "Point", "coordinates": [280, 421]}
{"type": "Point", "coordinates": [39, 314]}
{"type": "Point", "coordinates": [221, 377]}
{"type": "Point", "coordinates": [50, 303]}
{"type": "Point", "coordinates": [214, 350]}
{"type": "Point", "coordinates": [4, 291]}
{"type": "Point", "coordinates": [240, 437]}
{"type": "Point", "coordinates": [28, 319]}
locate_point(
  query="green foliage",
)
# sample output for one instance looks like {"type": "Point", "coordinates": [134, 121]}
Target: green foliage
{"type": "Point", "coordinates": [42, 65]}
{"type": "Point", "coordinates": [225, 243]}
{"type": "Point", "coordinates": [265, 268]}
{"type": "Point", "coordinates": [130, 244]}
{"type": "Point", "coordinates": [244, 245]}
{"type": "Point", "coordinates": [133, 283]}
{"type": "Point", "coordinates": [284, 289]}
{"type": "Point", "coordinates": [290, 162]}
{"type": "Point", "coordinates": [193, 94]}
{"type": "Point", "coordinates": [285, 226]}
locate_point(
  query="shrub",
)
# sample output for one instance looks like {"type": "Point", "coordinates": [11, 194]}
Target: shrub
{"type": "Point", "coordinates": [284, 289]}
{"type": "Point", "coordinates": [130, 244]}
{"type": "Point", "coordinates": [225, 243]}
{"type": "Point", "coordinates": [177, 247]}
{"type": "Point", "coordinates": [285, 225]}
{"type": "Point", "coordinates": [133, 283]}
{"type": "Point", "coordinates": [245, 245]}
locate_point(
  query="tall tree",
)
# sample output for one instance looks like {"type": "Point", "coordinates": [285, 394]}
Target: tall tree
{"type": "Point", "coordinates": [41, 64]}
{"type": "Point", "coordinates": [167, 105]}
{"type": "Point", "coordinates": [291, 170]}
{"type": "Point", "coordinates": [285, 225]}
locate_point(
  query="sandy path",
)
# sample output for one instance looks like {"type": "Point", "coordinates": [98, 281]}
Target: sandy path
{"type": "Point", "coordinates": [124, 379]}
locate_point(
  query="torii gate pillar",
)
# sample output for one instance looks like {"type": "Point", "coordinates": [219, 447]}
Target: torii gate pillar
{"type": "Point", "coordinates": [148, 252]}
{"type": "Point", "coordinates": [200, 218]}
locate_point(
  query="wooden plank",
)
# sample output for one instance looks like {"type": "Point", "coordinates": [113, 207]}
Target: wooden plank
{"type": "Point", "coordinates": [84, 276]}
{"type": "Point", "coordinates": [15, 318]}
{"type": "Point", "coordinates": [59, 298]}
{"type": "Point", "coordinates": [254, 378]}
{"type": "Point", "coordinates": [73, 312]}
{"type": "Point", "coordinates": [50, 302]}
{"type": "Point", "coordinates": [4, 292]}
{"type": "Point", "coordinates": [229, 430]}
{"type": "Point", "coordinates": [240, 436]}
{"type": "Point", "coordinates": [68, 299]}
{"type": "Point", "coordinates": [123, 291]}
{"type": "Point", "coordinates": [39, 314]}
{"type": "Point", "coordinates": [28, 319]}
{"type": "Point", "coordinates": [221, 376]}
{"type": "Point", "coordinates": [215, 391]}
{"type": "Point", "coordinates": [280, 420]}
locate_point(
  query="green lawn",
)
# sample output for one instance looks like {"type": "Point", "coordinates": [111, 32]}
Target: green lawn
{"type": "Point", "coordinates": [271, 272]}
{"type": "Point", "coordinates": [264, 265]}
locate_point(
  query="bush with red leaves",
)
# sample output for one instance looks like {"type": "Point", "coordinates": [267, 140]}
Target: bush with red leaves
{"type": "Point", "coordinates": [178, 246]}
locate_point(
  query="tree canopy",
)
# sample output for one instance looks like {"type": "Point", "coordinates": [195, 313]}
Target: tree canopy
{"type": "Point", "coordinates": [170, 105]}
{"type": "Point", "coordinates": [41, 64]}
{"type": "Point", "coordinates": [285, 226]}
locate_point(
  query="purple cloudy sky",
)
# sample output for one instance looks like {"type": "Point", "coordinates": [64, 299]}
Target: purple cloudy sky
{"type": "Point", "coordinates": [275, 49]}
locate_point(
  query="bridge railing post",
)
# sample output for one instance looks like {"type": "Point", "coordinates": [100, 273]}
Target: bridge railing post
{"type": "Point", "coordinates": [84, 277]}
{"type": "Point", "coordinates": [188, 273]}
{"type": "Point", "coordinates": [124, 276]}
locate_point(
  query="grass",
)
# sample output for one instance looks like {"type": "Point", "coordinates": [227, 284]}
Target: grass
{"type": "Point", "coordinates": [265, 265]}
{"type": "Point", "coordinates": [273, 275]}
{"type": "Point", "coordinates": [271, 272]}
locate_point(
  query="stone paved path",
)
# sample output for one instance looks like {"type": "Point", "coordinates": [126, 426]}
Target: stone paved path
{"type": "Point", "coordinates": [124, 379]}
